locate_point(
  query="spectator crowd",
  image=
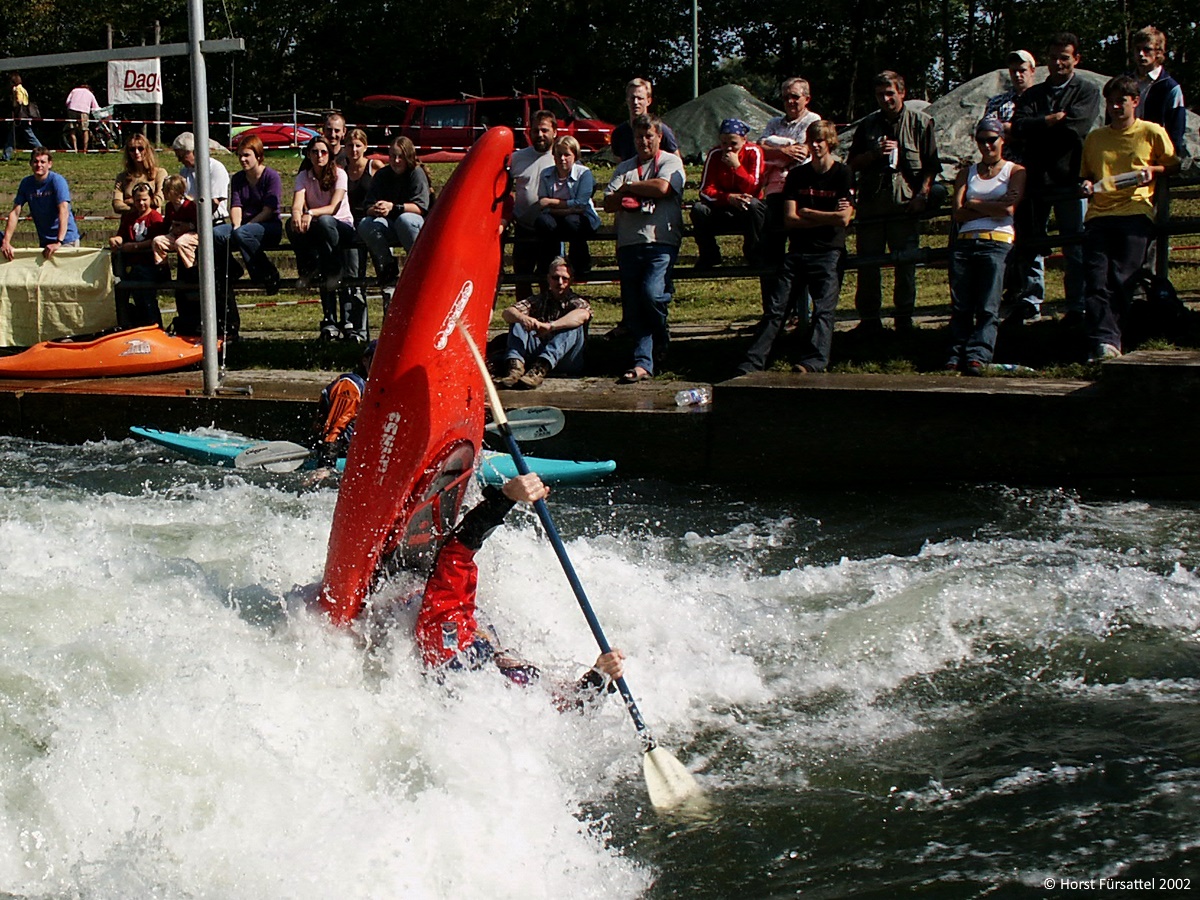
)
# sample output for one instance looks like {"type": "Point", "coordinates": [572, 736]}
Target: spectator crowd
{"type": "Point", "coordinates": [789, 196]}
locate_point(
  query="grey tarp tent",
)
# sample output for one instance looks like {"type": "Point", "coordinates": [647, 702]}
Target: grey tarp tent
{"type": "Point", "coordinates": [697, 123]}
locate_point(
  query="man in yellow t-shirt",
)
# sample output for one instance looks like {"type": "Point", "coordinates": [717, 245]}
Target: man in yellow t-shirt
{"type": "Point", "coordinates": [1119, 166]}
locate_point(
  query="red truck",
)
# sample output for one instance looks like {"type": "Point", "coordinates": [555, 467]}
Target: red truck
{"type": "Point", "coordinates": [444, 129]}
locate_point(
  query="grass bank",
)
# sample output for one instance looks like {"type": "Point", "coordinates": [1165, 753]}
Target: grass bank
{"type": "Point", "coordinates": [293, 317]}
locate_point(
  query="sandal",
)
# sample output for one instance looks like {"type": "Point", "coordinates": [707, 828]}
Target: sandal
{"type": "Point", "coordinates": [634, 375]}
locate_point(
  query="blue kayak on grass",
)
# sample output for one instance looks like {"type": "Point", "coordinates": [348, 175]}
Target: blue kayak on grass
{"type": "Point", "coordinates": [221, 449]}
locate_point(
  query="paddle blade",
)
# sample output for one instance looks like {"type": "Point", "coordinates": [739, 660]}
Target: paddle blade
{"type": "Point", "coordinates": [274, 456]}
{"type": "Point", "coordinates": [668, 782]}
{"type": "Point", "coordinates": [533, 423]}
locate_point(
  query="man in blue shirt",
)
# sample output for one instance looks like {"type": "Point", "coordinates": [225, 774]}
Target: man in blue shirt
{"type": "Point", "coordinates": [49, 201]}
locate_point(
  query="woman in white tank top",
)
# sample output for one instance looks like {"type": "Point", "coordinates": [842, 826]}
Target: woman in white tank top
{"type": "Point", "coordinates": [985, 195]}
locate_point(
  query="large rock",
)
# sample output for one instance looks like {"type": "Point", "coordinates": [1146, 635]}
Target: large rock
{"type": "Point", "coordinates": [956, 114]}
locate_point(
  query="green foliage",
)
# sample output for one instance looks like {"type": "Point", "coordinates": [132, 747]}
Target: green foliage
{"type": "Point", "coordinates": [329, 54]}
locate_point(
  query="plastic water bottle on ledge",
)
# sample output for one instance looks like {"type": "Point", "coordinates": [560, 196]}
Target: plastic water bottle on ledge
{"type": "Point", "coordinates": [698, 396]}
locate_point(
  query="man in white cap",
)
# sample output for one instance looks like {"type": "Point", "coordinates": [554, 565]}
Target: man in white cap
{"type": "Point", "coordinates": [184, 147]}
{"type": "Point", "coordinates": [1022, 71]}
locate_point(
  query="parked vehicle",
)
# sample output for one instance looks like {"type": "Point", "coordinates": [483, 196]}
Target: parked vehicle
{"type": "Point", "coordinates": [444, 129]}
{"type": "Point", "coordinates": [279, 138]}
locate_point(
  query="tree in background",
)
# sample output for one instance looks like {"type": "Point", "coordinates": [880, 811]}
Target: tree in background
{"type": "Point", "coordinates": [328, 55]}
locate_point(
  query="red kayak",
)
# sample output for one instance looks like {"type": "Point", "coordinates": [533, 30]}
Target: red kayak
{"type": "Point", "coordinates": [136, 351]}
{"type": "Point", "coordinates": [420, 427]}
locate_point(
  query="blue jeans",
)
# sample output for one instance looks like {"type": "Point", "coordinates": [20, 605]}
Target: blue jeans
{"type": "Point", "coordinates": [11, 142]}
{"type": "Point", "coordinates": [563, 350]}
{"type": "Point", "coordinates": [646, 292]}
{"type": "Point", "coordinates": [976, 289]}
{"type": "Point", "coordinates": [1033, 215]}
{"type": "Point", "coordinates": [253, 240]}
{"type": "Point", "coordinates": [381, 235]}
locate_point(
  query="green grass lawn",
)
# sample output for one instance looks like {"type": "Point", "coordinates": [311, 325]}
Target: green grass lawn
{"type": "Point", "coordinates": [732, 301]}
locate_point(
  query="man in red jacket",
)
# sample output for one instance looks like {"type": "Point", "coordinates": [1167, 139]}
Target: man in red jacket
{"type": "Point", "coordinates": [730, 196]}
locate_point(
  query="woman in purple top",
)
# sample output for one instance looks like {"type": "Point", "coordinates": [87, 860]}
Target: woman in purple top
{"type": "Point", "coordinates": [254, 226]}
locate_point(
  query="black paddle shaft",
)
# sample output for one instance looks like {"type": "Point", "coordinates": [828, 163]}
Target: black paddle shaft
{"type": "Point", "coordinates": [543, 512]}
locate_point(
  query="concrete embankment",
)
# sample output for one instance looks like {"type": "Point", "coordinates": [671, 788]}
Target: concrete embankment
{"type": "Point", "coordinates": [1134, 429]}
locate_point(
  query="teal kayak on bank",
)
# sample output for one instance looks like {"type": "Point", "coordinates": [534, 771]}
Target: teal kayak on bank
{"type": "Point", "coordinates": [220, 449]}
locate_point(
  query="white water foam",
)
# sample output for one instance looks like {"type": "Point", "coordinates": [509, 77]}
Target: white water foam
{"type": "Point", "coordinates": [172, 727]}
{"type": "Point", "coordinates": [156, 742]}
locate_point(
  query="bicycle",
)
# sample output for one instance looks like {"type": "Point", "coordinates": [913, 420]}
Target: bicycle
{"type": "Point", "coordinates": [104, 129]}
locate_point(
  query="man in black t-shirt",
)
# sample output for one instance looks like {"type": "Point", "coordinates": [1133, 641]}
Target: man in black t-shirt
{"type": "Point", "coordinates": [817, 208]}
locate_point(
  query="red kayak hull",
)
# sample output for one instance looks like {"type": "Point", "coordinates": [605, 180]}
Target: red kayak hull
{"type": "Point", "coordinates": [420, 427]}
{"type": "Point", "coordinates": [136, 351]}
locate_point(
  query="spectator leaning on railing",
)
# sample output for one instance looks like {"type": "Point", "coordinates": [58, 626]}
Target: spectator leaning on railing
{"type": "Point", "coordinates": [49, 200]}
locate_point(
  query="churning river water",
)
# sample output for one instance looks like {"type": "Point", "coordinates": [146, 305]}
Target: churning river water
{"type": "Point", "coordinates": [982, 691]}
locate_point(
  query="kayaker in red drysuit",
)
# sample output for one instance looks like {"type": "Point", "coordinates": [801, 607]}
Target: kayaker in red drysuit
{"type": "Point", "coordinates": [448, 634]}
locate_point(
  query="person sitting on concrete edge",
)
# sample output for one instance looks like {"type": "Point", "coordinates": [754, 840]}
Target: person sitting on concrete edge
{"type": "Point", "coordinates": [340, 402]}
{"type": "Point", "coordinates": [1120, 163]}
{"type": "Point", "coordinates": [546, 333]}
{"type": "Point", "coordinates": [49, 199]}
{"type": "Point", "coordinates": [449, 634]}
{"type": "Point", "coordinates": [729, 201]}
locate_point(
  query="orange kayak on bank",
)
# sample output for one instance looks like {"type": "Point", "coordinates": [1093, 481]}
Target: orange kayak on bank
{"type": "Point", "coordinates": [136, 351]}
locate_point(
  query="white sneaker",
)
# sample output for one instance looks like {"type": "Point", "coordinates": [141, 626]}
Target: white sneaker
{"type": "Point", "coordinates": [1106, 351]}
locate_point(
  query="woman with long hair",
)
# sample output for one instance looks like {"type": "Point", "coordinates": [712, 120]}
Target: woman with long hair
{"type": "Point", "coordinates": [397, 202]}
{"type": "Point", "coordinates": [141, 167]}
{"type": "Point", "coordinates": [360, 172]}
{"type": "Point", "coordinates": [320, 226]}
{"type": "Point", "coordinates": [254, 227]}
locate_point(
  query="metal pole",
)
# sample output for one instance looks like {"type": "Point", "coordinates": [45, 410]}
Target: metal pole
{"type": "Point", "coordinates": [695, 49]}
{"type": "Point", "coordinates": [158, 106]}
{"type": "Point", "coordinates": [204, 210]}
